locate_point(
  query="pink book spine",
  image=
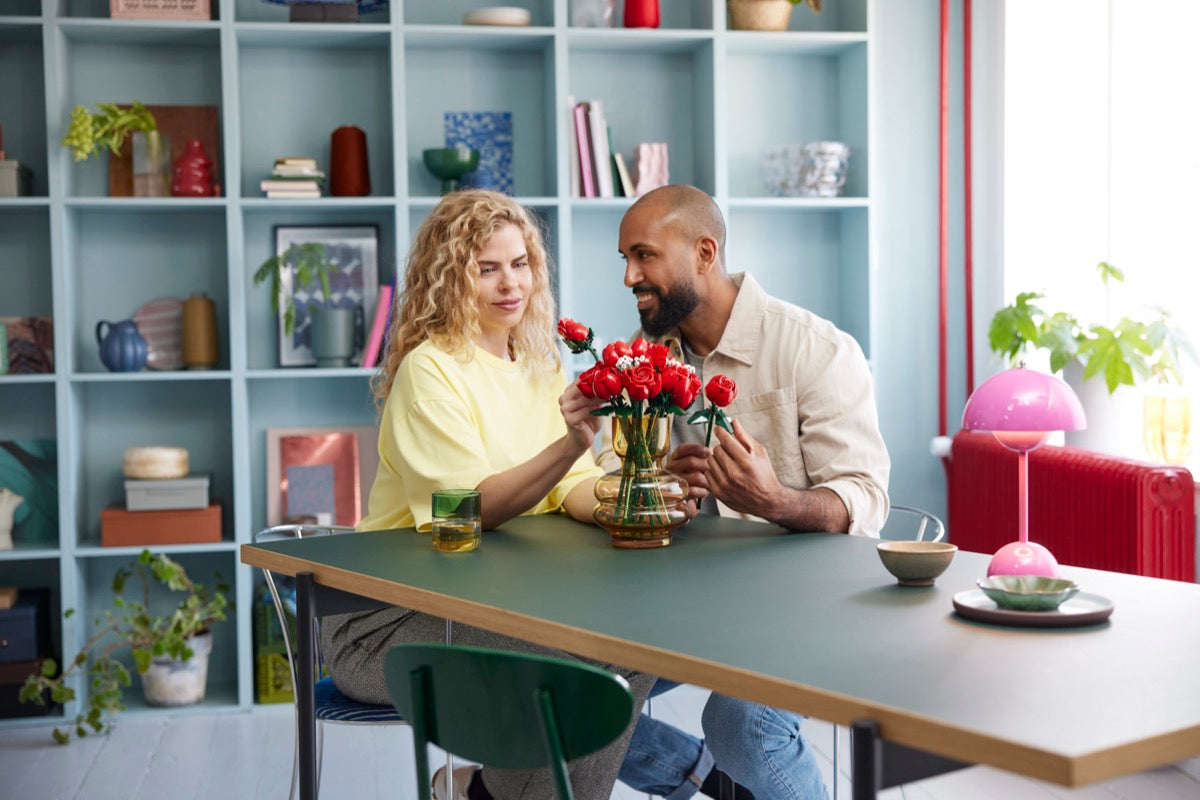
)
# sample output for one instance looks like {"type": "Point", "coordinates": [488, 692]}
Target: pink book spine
{"type": "Point", "coordinates": [371, 351]}
{"type": "Point", "coordinates": [586, 168]}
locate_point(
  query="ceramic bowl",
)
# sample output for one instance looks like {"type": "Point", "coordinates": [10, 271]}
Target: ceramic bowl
{"type": "Point", "coordinates": [916, 563]}
{"type": "Point", "coordinates": [1027, 592]}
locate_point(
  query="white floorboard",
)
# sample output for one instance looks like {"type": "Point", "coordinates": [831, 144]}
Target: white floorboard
{"type": "Point", "coordinates": [232, 756]}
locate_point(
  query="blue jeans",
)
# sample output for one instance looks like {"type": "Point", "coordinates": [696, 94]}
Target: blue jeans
{"type": "Point", "coordinates": [759, 747]}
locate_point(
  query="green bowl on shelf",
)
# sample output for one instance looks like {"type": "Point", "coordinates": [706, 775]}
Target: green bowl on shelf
{"type": "Point", "coordinates": [448, 164]}
{"type": "Point", "coordinates": [1027, 592]}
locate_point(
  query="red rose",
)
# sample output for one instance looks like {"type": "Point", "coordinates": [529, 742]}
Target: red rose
{"type": "Point", "coordinates": [573, 331]}
{"type": "Point", "coordinates": [641, 381]}
{"type": "Point", "coordinates": [638, 346]}
{"type": "Point", "coordinates": [681, 384]}
{"type": "Point", "coordinates": [614, 351]}
{"type": "Point", "coordinates": [658, 354]}
{"type": "Point", "coordinates": [720, 391]}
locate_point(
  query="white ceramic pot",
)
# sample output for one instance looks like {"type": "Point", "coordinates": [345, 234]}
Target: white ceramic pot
{"type": "Point", "coordinates": [171, 682]}
{"type": "Point", "coordinates": [1114, 421]}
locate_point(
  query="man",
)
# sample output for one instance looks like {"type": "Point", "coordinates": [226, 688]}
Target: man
{"type": "Point", "coordinates": [805, 453]}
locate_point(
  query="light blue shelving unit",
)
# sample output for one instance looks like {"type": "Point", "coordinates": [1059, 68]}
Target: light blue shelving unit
{"type": "Point", "coordinates": [719, 98]}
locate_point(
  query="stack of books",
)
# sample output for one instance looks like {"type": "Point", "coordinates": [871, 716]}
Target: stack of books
{"type": "Point", "coordinates": [597, 168]}
{"type": "Point", "coordinates": [293, 177]}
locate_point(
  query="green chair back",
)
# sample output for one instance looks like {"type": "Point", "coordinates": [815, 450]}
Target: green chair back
{"type": "Point", "coordinates": [508, 710]}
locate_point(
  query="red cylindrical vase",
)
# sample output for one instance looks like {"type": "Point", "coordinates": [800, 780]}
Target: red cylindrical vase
{"type": "Point", "coordinates": [641, 13]}
{"type": "Point", "coordinates": [348, 173]}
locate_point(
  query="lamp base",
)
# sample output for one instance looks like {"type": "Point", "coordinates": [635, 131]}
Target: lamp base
{"type": "Point", "coordinates": [1023, 558]}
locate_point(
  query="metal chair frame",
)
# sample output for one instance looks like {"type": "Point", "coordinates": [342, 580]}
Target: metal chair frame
{"type": "Point", "coordinates": [298, 531]}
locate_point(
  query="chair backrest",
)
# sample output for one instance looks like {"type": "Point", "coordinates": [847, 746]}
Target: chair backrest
{"type": "Point", "coordinates": [292, 531]}
{"type": "Point", "coordinates": [906, 522]}
{"type": "Point", "coordinates": [540, 711]}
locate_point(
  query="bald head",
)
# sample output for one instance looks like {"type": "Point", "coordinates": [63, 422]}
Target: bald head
{"type": "Point", "coordinates": [689, 211]}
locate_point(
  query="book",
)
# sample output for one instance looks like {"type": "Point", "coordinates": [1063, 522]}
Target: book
{"type": "Point", "coordinates": [375, 337]}
{"type": "Point", "coordinates": [586, 168]}
{"type": "Point", "coordinates": [288, 185]}
{"type": "Point", "coordinates": [298, 172]}
{"type": "Point", "coordinates": [296, 194]}
{"type": "Point", "coordinates": [301, 161]}
{"type": "Point", "coordinates": [573, 150]}
{"type": "Point", "coordinates": [623, 174]}
{"type": "Point", "coordinates": [599, 144]}
{"type": "Point", "coordinates": [618, 189]}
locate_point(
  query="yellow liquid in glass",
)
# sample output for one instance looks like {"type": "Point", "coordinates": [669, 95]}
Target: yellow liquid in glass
{"type": "Point", "coordinates": [456, 535]}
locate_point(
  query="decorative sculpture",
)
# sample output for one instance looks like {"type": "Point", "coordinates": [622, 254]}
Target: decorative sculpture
{"type": "Point", "coordinates": [650, 167]}
{"type": "Point", "coordinates": [9, 502]}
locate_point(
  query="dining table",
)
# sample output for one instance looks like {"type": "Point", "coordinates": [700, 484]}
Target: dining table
{"type": "Point", "coordinates": [808, 622]}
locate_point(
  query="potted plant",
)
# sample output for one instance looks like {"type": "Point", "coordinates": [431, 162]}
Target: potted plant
{"type": "Point", "coordinates": [169, 652]}
{"type": "Point", "coordinates": [89, 132]}
{"type": "Point", "coordinates": [336, 331]}
{"type": "Point", "coordinates": [1129, 352]}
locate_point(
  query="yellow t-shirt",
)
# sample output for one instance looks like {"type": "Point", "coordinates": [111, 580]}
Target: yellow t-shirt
{"type": "Point", "coordinates": [449, 424]}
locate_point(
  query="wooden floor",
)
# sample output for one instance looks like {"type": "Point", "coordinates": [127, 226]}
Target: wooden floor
{"type": "Point", "coordinates": [247, 756]}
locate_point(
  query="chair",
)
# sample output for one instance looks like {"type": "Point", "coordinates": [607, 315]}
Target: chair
{"type": "Point", "coordinates": [903, 519]}
{"type": "Point", "coordinates": [331, 705]}
{"type": "Point", "coordinates": [542, 711]}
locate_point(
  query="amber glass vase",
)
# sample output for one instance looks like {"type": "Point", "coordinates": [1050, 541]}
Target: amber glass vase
{"type": "Point", "coordinates": [641, 504]}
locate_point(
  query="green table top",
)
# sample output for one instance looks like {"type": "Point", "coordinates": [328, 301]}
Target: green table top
{"type": "Point", "coordinates": [813, 622]}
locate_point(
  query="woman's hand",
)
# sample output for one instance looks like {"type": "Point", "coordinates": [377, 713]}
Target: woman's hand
{"type": "Point", "coordinates": [576, 409]}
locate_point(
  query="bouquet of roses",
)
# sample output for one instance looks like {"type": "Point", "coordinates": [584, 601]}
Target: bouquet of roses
{"type": "Point", "coordinates": [642, 385]}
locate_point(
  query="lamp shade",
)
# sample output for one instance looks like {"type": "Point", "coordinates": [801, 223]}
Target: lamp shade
{"type": "Point", "coordinates": [1021, 399]}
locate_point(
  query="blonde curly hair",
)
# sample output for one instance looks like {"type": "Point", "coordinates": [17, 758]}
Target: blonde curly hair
{"type": "Point", "coordinates": [441, 285]}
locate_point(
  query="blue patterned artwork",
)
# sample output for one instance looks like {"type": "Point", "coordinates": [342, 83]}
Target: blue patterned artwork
{"type": "Point", "coordinates": [310, 492]}
{"type": "Point", "coordinates": [489, 132]}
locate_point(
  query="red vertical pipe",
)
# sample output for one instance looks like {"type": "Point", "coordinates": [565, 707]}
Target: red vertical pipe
{"type": "Point", "coordinates": [968, 258]}
{"type": "Point", "coordinates": [943, 187]}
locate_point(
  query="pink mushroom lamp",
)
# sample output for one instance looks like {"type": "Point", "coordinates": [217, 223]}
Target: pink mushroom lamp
{"type": "Point", "coordinates": [1022, 407]}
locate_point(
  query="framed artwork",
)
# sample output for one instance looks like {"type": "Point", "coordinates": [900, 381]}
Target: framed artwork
{"type": "Point", "coordinates": [354, 251]}
{"type": "Point", "coordinates": [491, 133]}
{"type": "Point", "coordinates": [320, 476]}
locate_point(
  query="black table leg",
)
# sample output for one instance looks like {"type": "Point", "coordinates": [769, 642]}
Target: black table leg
{"type": "Point", "coordinates": [866, 760]}
{"type": "Point", "coordinates": [306, 722]}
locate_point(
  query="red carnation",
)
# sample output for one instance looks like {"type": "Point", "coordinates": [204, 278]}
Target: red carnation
{"type": "Point", "coordinates": [600, 382]}
{"type": "Point", "coordinates": [720, 391]}
{"type": "Point", "coordinates": [641, 381]}
{"type": "Point", "coordinates": [681, 384]}
{"type": "Point", "coordinates": [614, 351]}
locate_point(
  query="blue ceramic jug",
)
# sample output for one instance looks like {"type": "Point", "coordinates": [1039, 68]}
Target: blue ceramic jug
{"type": "Point", "coordinates": [122, 348]}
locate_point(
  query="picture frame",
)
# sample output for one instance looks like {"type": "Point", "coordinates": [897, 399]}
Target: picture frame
{"type": "Point", "coordinates": [322, 446]}
{"type": "Point", "coordinates": [354, 250]}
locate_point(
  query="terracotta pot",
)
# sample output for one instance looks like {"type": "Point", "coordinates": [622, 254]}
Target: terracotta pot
{"type": "Point", "coordinates": [759, 15]}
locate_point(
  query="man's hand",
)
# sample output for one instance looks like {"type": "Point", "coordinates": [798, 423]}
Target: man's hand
{"type": "Point", "coordinates": [741, 476]}
{"type": "Point", "coordinates": [690, 462]}
{"type": "Point", "coordinates": [576, 409]}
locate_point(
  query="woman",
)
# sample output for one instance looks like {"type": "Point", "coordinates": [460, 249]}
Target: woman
{"type": "Point", "coordinates": [472, 395]}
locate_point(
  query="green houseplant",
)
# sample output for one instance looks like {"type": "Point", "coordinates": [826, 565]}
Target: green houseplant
{"type": "Point", "coordinates": [91, 131]}
{"type": "Point", "coordinates": [311, 265]}
{"type": "Point", "coordinates": [151, 637]}
{"type": "Point", "coordinates": [1129, 352]}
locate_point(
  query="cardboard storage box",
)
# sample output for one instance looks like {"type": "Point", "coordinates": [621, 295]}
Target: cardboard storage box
{"type": "Point", "coordinates": [160, 9]}
{"type": "Point", "coordinates": [25, 628]}
{"type": "Point", "coordinates": [167, 494]}
{"type": "Point", "coordinates": [121, 527]}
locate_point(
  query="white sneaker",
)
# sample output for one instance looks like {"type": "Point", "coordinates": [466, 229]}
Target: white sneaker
{"type": "Point", "coordinates": [462, 779]}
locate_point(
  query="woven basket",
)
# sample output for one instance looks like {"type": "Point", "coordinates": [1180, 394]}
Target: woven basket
{"type": "Point", "coordinates": [759, 15]}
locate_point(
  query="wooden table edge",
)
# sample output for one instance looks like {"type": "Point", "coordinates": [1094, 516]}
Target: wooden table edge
{"type": "Point", "coordinates": [895, 725]}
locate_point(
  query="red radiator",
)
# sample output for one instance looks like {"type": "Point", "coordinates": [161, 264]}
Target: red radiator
{"type": "Point", "coordinates": [1090, 509]}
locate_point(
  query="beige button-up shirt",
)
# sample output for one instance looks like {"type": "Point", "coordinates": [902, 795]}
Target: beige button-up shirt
{"type": "Point", "coordinates": [805, 392]}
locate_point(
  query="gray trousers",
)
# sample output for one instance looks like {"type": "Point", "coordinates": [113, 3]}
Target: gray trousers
{"type": "Point", "coordinates": [354, 646]}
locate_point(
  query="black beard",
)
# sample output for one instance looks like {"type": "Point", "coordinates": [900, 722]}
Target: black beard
{"type": "Point", "coordinates": [673, 308]}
